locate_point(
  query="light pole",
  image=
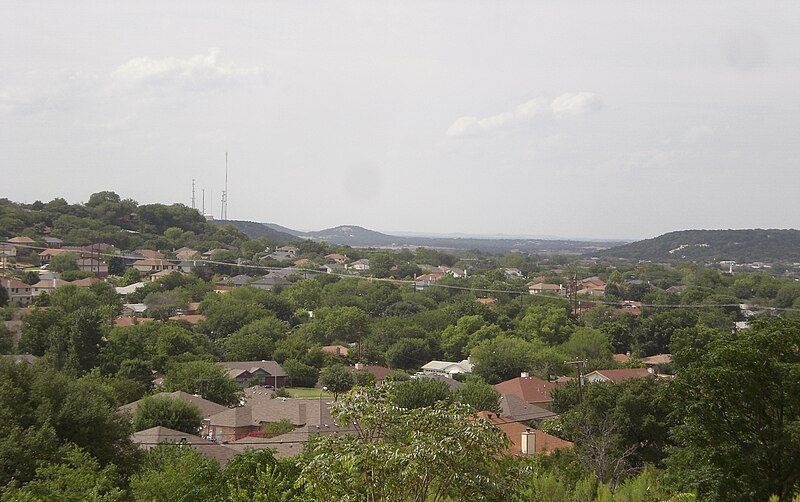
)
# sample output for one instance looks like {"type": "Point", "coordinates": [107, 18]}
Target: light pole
{"type": "Point", "coordinates": [320, 405]}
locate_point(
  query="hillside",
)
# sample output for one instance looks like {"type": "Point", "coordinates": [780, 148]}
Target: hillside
{"type": "Point", "coordinates": [714, 245]}
{"type": "Point", "coordinates": [262, 230]}
{"type": "Point", "coordinates": [353, 235]}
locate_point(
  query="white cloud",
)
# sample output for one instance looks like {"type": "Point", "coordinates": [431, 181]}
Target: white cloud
{"type": "Point", "coordinates": [564, 105]}
{"type": "Point", "coordinates": [197, 72]}
{"type": "Point", "coordinates": [575, 103]}
{"type": "Point", "coordinates": [696, 134]}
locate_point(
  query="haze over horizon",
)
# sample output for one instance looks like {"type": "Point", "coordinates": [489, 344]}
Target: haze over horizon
{"type": "Point", "coordinates": [519, 118]}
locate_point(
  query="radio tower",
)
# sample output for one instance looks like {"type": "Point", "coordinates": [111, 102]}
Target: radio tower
{"type": "Point", "coordinates": [204, 200]}
{"type": "Point", "coordinates": [193, 206]}
{"type": "Point", "coordinates": [223, 212]}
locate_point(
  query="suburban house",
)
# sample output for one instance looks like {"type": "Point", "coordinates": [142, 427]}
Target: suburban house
{"type": "Point", "coordinates": [447, 368]}
{"type": "Point", "coordinates": [513, 408]}
{"type": "Point", "coordinates": [269, 281]}
{"type": "Point", "coordinates": [208, 255]}
{"type": "Point", "coordinates": [133, 309]}
{"type": "Point", "coordinates": [513, 273]}
{"type": "Point", "coordinates": [21, 241]}
{"type": "Point", "coordinates": [48, 254]}
{"type": "Point", "coordinates": [630, 307]}
{"type": "Point", "coordinates": [154, 436]}
{"type": "Point", "coordinates": [451, 382]}
{"type": "Point", "coordinates": [130, 288]}
{"type": "Point", "coordinates": [85, 282]}
{"type": "Point", "coordinates": [541, 287]}
{"type": "Point", "coordinates": [360, 265]}
{"type": "Point", "coordinates": [236, 280]}
{"type": "Point", "coordinates": [247, 373]}
{"type": "Point", "coordinates": [185, 253]}
{"type": "Point", "coordinates": [530, 389]}
{"type": "Point", "coordinates": [7, 250]}
{"type": "Point", "coordinates": [206, 407]}
{"type": "Point", "coordinates": [336, 257]}
{"type": "Point", "coordinates": [657, 360]}
{"type": "Point", "coordinates": [187, 266]}
{"type": "Point", "coordinates": [379, 372]}
{"type": "Point", "coordinates": [617, 376]}
{"type": "Point", "coordinates": [191, 319]}
{"type": "Point", "coordinates": [336, 350]}
{"type": "Point", "coordinates": [149, 253]}
{"type": "Point", "coordinates": [455, 272]}
{"type": "Point", "coordinates": [334, 268]}
{"type": "Point", "coordinates": [53, 242]}
{"type": "Point", "coordinates": [152, 265]}
{"type": "Point", "coordinates": [17, 290]}
{"type": "Point", "coordinates": [425, 280]}
{"type": "Point", "coordinates": [525, 440]}
{"type": "Point", "coordinates": [284, 253]}
{"type": "Point", "coordinates": [261, 409]}
{"type": "Point", "coordinates": [94, 265]}
{"type": "Point", "coordinates": [622, 358]}
{"type": "Point", "coordinates": [47, 285]}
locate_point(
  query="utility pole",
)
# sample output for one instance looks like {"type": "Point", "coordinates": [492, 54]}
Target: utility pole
{"type": "Point", "coordinates": [579, 363]}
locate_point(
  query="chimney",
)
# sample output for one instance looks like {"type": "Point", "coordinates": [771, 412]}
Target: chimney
{"type": "Point", "coordinates": [528, 444]}
{"type": "Point", "coordinates": [359, 366]}
{"type": "Point", "coordinates": [525, 374]}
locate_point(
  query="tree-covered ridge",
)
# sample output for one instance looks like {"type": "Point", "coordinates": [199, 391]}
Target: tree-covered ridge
{"type": "Point", "coordinates": [714, 245]}
{"type": "Point", "coordinates": [108, 218]}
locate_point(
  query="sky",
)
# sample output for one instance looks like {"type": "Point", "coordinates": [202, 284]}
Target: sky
{"type": "Point", "coordinates": [575, 119]}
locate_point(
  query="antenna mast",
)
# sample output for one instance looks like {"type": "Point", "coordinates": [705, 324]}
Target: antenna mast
{"type": "Point", "coordinates": [193, 206]}
{"type": "Point", "coordinates": [204, 200]}
{"type": "Point", "coordinates": [223, 212]}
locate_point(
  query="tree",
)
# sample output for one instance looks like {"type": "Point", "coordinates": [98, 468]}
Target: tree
{"type": "Point", "coordinates": [431, 453]}
{"type": "Point", "coordinates": [3, 296]}
{"type": "Point", "coordinates": [588, 343]}
{"type": "Point", "coordinates": [408, 353]}
{"type": "Point", "coordinates": [299, 374]}
{"type": "Point", "coordinates": [742, 394]}
{"type": "Point", "coordinates": [419, 393]}
{"type": "Point", "coordinates": [131, 276]}
{"type": "Point", "coordinates": [255, 475]}
{"type": "Point", "coordinates": [226, 314]}
{"type": "Point", "coordinates": [478, 395]}
{"type": "Point", "coordinates": [502, 358]}
{"type": "Point", "coordinates": [337, 379]}
{"type": "Point", "coordinates": [173, 472]}
{"type": "Point", "coordinates": [255, 341]}
{"type": "Point", "coordinates": [64, 262]}
{"type": "Point", "coordinates": [548, 323]}
{"type": "Point", "coordinates": [210, 380]}
{"type": "Point", "coordinates": [164, 304]}
{"type": "Point", "coordinates": [6, 340]}
{"type": "Point", "coordinates": [167, 412]}
{"type": "Point", "coordinates": [77, 476]}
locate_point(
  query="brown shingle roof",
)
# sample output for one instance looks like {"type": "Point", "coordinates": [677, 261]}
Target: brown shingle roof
{"type": "Point", "coordinates": [529, 389]}
{"type": "Point", "coordinates": [545, 443]}
{"type": "Point", "coordinates": [149, 438]}
{"type": "Point", "coordinates": [271, 367]}
{"type": "Point", "coordinates": [515, 409]}
{"type": "Point", "coordinates": [207, 408]}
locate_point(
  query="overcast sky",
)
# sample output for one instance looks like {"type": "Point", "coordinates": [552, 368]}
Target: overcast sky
{"type": "Point", "coordinates": [590, 119]}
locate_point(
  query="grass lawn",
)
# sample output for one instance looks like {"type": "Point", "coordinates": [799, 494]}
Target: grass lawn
{"type": "Point", "coordinates": [308, 392]}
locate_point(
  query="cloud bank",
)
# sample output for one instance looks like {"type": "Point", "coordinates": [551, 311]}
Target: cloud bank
{"type": "Point", "coordinates": [565, 105]}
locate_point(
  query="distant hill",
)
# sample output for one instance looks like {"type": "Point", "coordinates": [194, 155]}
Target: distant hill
{"type": "Point", "coordinates": [714, 245]}
{"type": "Point", "coordinates": [255, 230]}
{"type": "Point", "coordinates": [354, 235]}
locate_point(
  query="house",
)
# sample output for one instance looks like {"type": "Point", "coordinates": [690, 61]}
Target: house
{"type": "Point", "coordinates": [154, 436]}
{"type": "Point", "coordinates": [657, 360]}
{"type": "Point", "coordinates": [149, 253]}
{"type": "Point", "coordinates": [93, 265]}
{"type": "Point", "coordinates": [336, 350]}
{"type": "Point", "coordinates": [86, 282]}
{"type": "Point", "coordinates": [7, 250]}
{"type": "Point", "coordinates": [283, 253]}
{"type": "Point", "coordinates": [21, 241]}
{"type": "Point", "coordinates": [269, 281]}
{"type": "Point", "coordinates": [260, 408]}
{"type": "Point", "coordinates": [125, 321]}
{"type": "Point", "coordinates": [302, 262]}
{"type": "Point", "coordinates": [513, 273]}
{"type": "Point", "coordinates": [379, 372]}
{"type": "Point", "coordinates": [447, 368]}
{"type": "Point", "coordinates": [130, 288]}
{"type": "Point", "coordinates": [618, 375]}
{"type": "Point", "coordinates": [186, 253]}
{"type": "Point", "coordinates": [289, 444]}
{"type": "Point", "coordinates": [337, 258]}
{"type": "Point", "coordinates": [47, 285]}
{"type": "Point", "coordinates": [47, 255]}
{"type": "Point", "coordinates": [530, 389]}
{"type": "Point", "coordinates": [630, 307]}
{"type": "Point", "coordinates": [151, 265]}
{"type": "Point", "coordinates": [53, 242]}
{"type": "Point", "coordinates": [208, 255]}
{"type": "Point", "coordinates": [187, 266]}
{"type": "Point", "coordinates": [17, 290]}
{"type": "Point", "coordinates": [164, 273]}
{"type": "Point", "coordinates": [133, 309]}
{"type": "Point", "coordinates": [334, 268]}
{"type": "Point", "coordinates": [425, 280]}
{"type": "Point", "coordinates": [452, 383]}
{"type": "Point", "coordinates": [236, 281]}
{"type": "Point", "coordinates": [541, 287]}
{"type": "Point", "coordinates": [189, 318]}
{"type": "Point", "coordinates": [454, 272]}
{"type": "Point", "coordinates": [525, 440]}
{"type": "Point", "coordinates": [245, 373]}
{"type": "Point", "coordinates": [360, 265]}
{"type": "Point", "coordinates": [513, 408]}
{"type": "Point", "coordinates": [622, 358]}
{"type": "Point", "coordinates": [206, 407]}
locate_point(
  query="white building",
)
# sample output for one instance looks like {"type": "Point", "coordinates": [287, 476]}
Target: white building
{"type": "Point", "coordinates": [447, 368]}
